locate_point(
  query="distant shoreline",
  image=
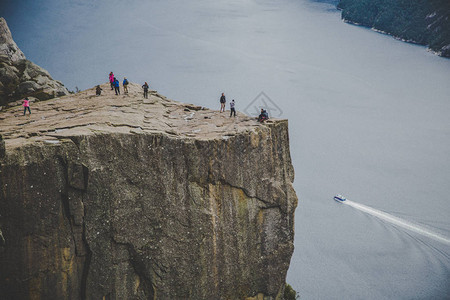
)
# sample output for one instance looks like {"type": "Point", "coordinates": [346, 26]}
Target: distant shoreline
{"type": "Point", "coordinates": [421, 24]}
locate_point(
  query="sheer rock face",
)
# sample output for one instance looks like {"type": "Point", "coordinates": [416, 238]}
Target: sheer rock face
{"type": "Point", "coordinates": [143, 199]}
{"type": "Point", "coordinates": [20, 77]}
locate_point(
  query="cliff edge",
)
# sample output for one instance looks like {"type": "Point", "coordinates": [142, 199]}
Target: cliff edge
{"type": "Point", "coordinates": [120, 197]}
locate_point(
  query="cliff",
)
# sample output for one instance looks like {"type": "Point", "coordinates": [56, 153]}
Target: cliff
{"type": "Point", "coordinates": [120, 197]}
{"type": "Point", "coordinates": [20, 77]}
{"type": "Point", "coordinates": [426, 22]}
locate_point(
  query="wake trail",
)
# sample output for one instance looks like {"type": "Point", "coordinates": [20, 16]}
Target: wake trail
{"type": "Point", "coordinates": [399, 222]}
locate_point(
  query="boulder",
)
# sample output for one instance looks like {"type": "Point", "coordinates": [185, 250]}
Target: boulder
{"type": "Point", "coordinates": [8, 77]}
{"type": "Point", "coordinates": [27, 88]}
{"type": "Point", "coordinates": [32, 70]}
{"type": "Point", "coordinates": [20, 77]}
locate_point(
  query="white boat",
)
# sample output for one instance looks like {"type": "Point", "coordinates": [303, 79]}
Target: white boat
{"type": "Point", "coordinates": [339, 198]}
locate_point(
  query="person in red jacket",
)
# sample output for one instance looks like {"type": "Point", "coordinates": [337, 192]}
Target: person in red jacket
{"type": "Point", "coordinates": [26, 105]}
{"type": "Point", "coordinates": [111, 80]}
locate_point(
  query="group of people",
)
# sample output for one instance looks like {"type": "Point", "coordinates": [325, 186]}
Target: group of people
{"type": "Point", "coordinates": [223, 100]}
{"type": "Point", "coordinates": [263, 116]}
{"type": "Point", "coordinates": [115, 85]}
{"type": "Point", "coordinates": [98, 90]}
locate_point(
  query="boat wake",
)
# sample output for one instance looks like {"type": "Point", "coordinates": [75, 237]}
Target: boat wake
{"type": "Point", "coordinates": [399, 222]}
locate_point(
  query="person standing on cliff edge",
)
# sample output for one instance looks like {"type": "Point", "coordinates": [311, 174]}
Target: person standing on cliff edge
{"type": "Point", "coordinates": [232, 109]}
{"type": "Point", "coordinates": [222, 103]}
{"type": "Point", "coordinates": [111, 80]}
{"type": "Point", "coordinates": [145, 87]}
{"type": "Point", "coordinates": [26, 105]}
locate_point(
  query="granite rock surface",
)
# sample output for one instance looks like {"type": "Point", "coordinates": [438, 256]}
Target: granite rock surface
{"type": "Point", "coordinates": [121, 197]}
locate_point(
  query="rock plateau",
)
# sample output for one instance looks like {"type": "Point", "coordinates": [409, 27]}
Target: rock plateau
{"type": "Point", "coordinates": [120, 197]}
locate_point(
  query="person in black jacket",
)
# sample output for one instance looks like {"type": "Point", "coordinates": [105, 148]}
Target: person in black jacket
{"type": "Point", "coordinates": [263, 116]}
{"type": "Point", "coordinates": [222, 103]}
{"type": "Point", "coordinates": [98, 90]}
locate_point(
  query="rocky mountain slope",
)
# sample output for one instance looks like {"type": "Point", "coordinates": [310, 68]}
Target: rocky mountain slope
{"type": "Point", "coordinates": [425, 22]}
{"type": "Point", "coordinates": [20, 77]}
{"type": "Point", "coordinates": [120, 197]}
{"type": "Point", "coordinates": [7, 45]}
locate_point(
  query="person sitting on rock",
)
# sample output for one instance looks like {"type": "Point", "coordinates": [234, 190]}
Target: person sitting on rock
{"type": "Point", "coordinates": [116, 86]}
{"type": "Point", "coordinates": [263, 116]}
{"type": "Point", "coordinates": [98, 90]}
{"type": "Point", "coordinates": [111, 80]}
{"type": "Point", "coordinates": [125, 85]}
{"type": "Point", "coordinates": [145, 87]}
{"type": "Point", "coordinates": [26, 105]}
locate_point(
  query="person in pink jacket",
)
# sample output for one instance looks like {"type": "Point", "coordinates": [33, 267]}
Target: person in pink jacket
{"type": "Point", "coordinates": [111, 80]}
{"type": "Point", "coordinates": [26, 105]}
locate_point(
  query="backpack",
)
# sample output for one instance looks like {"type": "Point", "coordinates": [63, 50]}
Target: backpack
{"type": "Point", "coordinates": [126, 82]}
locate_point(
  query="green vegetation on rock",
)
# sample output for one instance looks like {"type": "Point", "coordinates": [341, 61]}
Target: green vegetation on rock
{"type": "Point", "coordinates": [425, 22]}
{"type": "Point", "coordinates": [290, 293]}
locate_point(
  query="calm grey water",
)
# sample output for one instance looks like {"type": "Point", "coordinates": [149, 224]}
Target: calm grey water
{"type": "Point", "coordinates": [369, 118]}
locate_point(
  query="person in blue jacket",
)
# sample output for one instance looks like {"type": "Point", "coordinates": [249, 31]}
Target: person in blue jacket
{"type": "Point", "coordinates": [116, 86]}
{"type": "Point", "coordinates": [125, 85]}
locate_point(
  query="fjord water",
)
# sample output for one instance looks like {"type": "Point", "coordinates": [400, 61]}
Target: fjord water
{"type": "Point", "coordinates": [368, 117]}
